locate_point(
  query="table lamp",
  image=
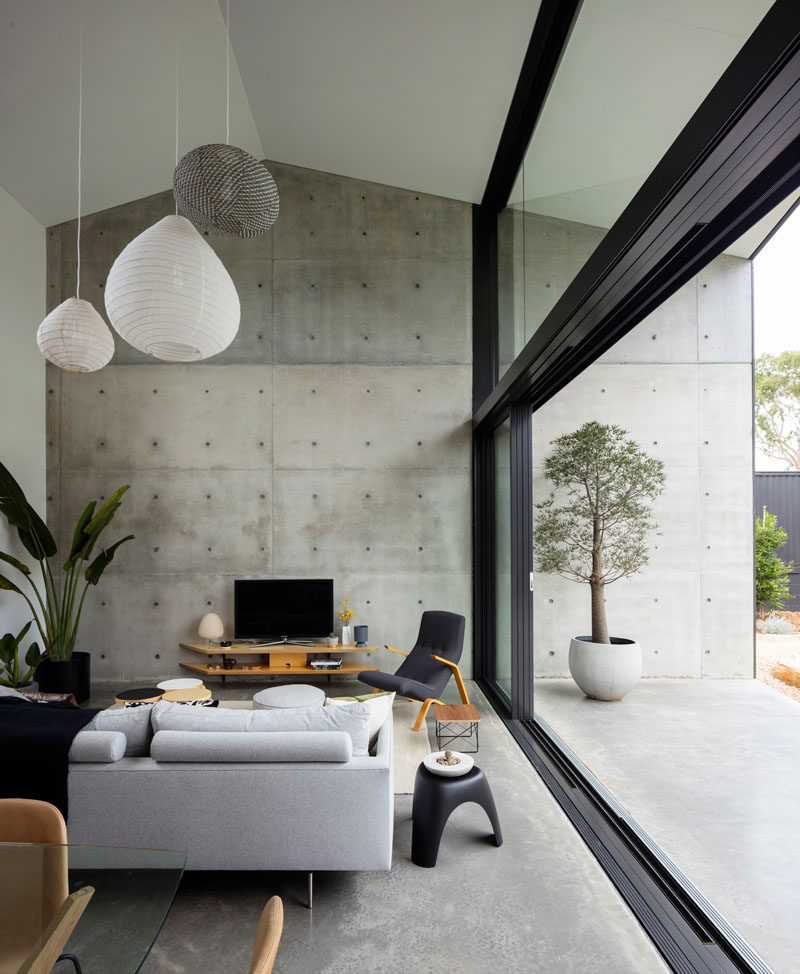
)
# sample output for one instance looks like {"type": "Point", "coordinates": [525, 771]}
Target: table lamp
{"type": "Point", "coordinates": [210, 627]}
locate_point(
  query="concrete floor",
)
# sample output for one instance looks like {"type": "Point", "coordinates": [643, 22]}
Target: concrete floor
{"type": "Point", "coordinates": [540, 903]}
{"type": "Point", "coordinates": [711, 770]}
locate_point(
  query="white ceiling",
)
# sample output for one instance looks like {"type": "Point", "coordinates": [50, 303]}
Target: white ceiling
{"type": "Point", "coordinates": [411, 94]}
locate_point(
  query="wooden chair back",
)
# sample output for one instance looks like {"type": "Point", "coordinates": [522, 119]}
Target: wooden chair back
{"type": "Point", "coordinates": [35, 874]}
{"type": "Point", "coordinates": [268, 936]}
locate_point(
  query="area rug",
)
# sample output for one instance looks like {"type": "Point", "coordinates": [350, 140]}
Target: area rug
{"type": "Point", "coordinates": [410, 747]}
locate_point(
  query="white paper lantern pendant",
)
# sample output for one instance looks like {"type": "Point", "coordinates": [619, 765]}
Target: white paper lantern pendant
{"type": "Point", "coordinates": [75, 338]}
{"type": "Point", "coordinates": [224, 189]}
{"type": "Point", "coordinates": [169, 295]}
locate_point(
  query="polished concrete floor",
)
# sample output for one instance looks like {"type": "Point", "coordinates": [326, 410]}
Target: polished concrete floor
{"type": "Point", "coordinates": [538, 904]}
{"type": "Point", "coordinates": [711, 770]}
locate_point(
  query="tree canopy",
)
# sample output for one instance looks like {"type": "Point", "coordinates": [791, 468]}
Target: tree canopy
{"type": "Point", "coordinates": [777, 398]}
{"type": "Point", "coordinates": [593, 527]}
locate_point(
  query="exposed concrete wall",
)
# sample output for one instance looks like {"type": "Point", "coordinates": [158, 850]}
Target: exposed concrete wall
{"type": "Point", "coordinates": [22, 376]}
{"type": "Point", "coordinates": [681, 384]}
{"type": "Point", "coordinates": [331, 439]}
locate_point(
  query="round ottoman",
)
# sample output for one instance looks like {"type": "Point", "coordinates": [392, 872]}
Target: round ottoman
{"type": "Point", "coordinates": [291, 695]}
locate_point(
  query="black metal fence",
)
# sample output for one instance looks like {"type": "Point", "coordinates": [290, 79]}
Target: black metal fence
{"type": "Point", "coordinates": [780, 494]}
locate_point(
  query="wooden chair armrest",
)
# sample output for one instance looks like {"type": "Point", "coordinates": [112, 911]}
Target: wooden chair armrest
{"type": "Point", "coordinates": [399, 651]}
{"type": "Point", "coordinates": [456, 675]}
{"type": "Point", "coordinates": [447, 662]}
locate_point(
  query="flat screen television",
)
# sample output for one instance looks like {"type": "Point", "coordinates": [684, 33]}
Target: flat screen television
{"type": "Point", "coordinates": [279, 610]}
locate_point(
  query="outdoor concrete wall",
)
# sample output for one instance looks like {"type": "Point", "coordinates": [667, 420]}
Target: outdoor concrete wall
{"type": "Point", "coordinates": [331, 439]}
{"type": "Point", "coordinates": [22, 377]}
{"type": "Point", "coordinates": [681, 384]}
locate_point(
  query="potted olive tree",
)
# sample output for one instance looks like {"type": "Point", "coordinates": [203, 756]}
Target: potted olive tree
{"type": "Point", "coordinates": [593, 529]}
{"type": "Point", "coordinates": [56, 601]}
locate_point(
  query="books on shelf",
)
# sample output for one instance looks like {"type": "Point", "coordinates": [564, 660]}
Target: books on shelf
{"type": "Point", "coordinates": [325, 664]}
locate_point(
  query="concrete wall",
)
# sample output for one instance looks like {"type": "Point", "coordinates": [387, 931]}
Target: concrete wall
{"type": "Point", "coordinates": [681, 384]}
{"type": "Point", "coordinates": [331, 439]}
{"type": "Point", "coordinates": [22, 377]}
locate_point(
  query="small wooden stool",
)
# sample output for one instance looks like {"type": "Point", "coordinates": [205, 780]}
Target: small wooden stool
{"type": "Point", "coordinates": [187, 694]}
{"type": "Point", "coordinates": [459, 713]}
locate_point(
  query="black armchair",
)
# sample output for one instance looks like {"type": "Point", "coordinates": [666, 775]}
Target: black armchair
{"type": "Point", "coordinates": [424, 672]}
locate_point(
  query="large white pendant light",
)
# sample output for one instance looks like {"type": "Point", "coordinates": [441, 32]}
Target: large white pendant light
{"type": "Point", "coordinates": [169, 295]}
{"type": "Point", "coordinates": [74, 336]}
{"type": "Point", "coordinates": [222, 188]}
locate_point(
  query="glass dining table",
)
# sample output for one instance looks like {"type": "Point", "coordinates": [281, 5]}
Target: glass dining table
{"type": "Point", "coordinates": [133, 892]}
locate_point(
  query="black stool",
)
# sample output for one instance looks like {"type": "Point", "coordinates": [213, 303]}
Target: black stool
{"type": "Point", "coordinates": [435, 798]}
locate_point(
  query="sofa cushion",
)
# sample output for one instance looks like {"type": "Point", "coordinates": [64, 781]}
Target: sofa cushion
{"type": "Point", "coordinates": [334, 746]}
{"type": "Point", "coordinates": [353, 719]}
{"type": "Point", "coordinates": [97, 747]}
{"type": "Point", "coordinates": [133, 722]}
{"type": "Point", "coordinates": [380, 706]}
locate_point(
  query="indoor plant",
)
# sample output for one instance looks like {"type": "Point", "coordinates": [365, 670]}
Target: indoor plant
{"type": "Point", "coordinates": [56, 605]}
{"type": "Point", "coordinates": [593, 529]}
{"type": "Point", "coordinates": [12, 673]}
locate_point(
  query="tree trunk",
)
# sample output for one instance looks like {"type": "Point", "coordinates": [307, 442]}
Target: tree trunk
{"type": "Point", "coordinates": [599, 623]}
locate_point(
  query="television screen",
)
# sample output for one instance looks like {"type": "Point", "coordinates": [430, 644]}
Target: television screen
{"type": "Point", "coordinates": [271, 608]}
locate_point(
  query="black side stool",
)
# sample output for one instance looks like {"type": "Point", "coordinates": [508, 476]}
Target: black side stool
{"type": "Point", "coordinates": [435, 798]}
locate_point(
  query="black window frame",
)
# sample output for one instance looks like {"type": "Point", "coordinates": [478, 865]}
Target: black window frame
{"type": "Point", "coordinates": [735, 160]}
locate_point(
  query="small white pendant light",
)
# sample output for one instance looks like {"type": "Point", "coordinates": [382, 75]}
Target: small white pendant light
{"type": "Point", "coordinates": [222, 188]}
{"type": "Point", "coordinates": [74, 336]}
{"type": "Point", "coordinates": [169, 295]}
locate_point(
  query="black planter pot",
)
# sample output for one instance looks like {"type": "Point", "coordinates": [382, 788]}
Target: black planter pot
{"type": "Point", "coordinates": [66, 676]}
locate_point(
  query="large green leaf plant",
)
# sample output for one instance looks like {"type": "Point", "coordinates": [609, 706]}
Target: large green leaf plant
{"type": "Point", "coordinates": [57, 606]}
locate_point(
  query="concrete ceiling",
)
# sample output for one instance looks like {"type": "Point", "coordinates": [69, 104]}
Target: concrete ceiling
{"type": "Point", "coordinates": [411, 94]}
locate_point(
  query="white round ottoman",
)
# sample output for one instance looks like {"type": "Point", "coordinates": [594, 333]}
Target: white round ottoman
{"type": "Point", "coordinates": [290, 695]}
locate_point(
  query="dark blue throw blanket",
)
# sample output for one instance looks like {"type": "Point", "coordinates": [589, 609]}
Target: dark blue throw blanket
{"type": "Point", "coordinates": [35, 739]}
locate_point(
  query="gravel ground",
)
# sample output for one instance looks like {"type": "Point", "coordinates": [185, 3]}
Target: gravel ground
{"type": "Point", "coordinates": [770, 649]}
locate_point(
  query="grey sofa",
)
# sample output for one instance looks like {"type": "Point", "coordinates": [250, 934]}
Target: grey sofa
{"type": "Point", "coordinates": [288, 801]}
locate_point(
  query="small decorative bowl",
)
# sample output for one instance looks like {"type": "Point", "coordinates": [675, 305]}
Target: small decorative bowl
{"type": "Point", "coordinates": [465, 763]}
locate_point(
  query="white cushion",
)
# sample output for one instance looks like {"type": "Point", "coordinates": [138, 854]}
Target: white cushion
{"type": "Point", "coordinates": [97, 747]}
{"type": "Point", "coordinates": [289, 695]}
{"type": "Point", "coordinates": [354, 720]}
{"type": "Point", "coordinates": [133, 722]}
{"type": "Point", "coordinates": [380, 706]}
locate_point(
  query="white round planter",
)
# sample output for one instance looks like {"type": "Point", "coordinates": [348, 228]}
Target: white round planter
{"type": "Point", "coordinates": [465, 764]}
{"type": "Point", "coordinates": [605, 671]}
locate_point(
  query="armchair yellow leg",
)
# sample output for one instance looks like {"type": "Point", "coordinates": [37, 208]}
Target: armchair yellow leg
{"type": "Point", "coordinates": [419, 723]}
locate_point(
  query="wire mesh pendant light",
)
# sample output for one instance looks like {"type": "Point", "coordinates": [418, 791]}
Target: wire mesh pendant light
{"type": "Point", "coordinates": [169, 295]}
{"type": "Point", "coordinates": [75, 338]}
{"type": "Point", "coordinates": [224, 189]}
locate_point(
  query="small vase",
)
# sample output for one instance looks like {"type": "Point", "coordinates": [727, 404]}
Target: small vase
{"type": "Point", "coordinates": [347, 635]}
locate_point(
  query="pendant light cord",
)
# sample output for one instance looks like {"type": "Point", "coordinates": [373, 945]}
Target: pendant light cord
{"type": "Point", "coordinates": [228, 72]}
{"type": "Point", "coordinates": [80, 143]}
{"type": "Point", "coordinates": [177, 78]}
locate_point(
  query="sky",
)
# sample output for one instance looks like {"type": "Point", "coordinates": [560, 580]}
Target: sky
{"type": "Point", "coordinates": [776, 302]}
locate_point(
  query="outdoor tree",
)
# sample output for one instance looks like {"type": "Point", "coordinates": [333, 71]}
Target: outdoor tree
{"type": "Point", "coordinates": [777, 396]}
{"type": "Point", "coordinates": [772, 573]}
{"type": "Point", "coordinates": [593, 527]}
